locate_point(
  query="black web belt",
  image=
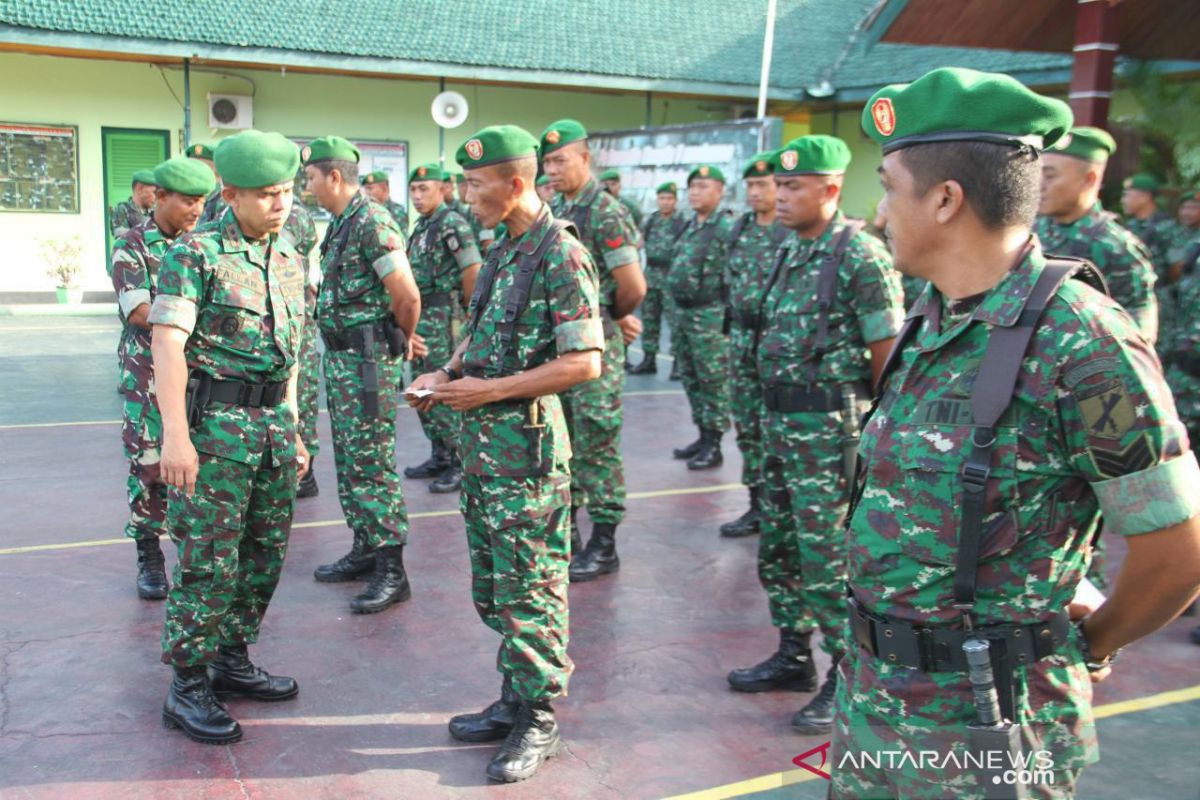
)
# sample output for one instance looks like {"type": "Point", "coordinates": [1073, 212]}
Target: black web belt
{"type": "Point", "coordinates": [250, 395]}
{"type": "Point", "coordinates": [790, 399]}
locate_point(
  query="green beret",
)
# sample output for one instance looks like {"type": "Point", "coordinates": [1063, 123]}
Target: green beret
{"type": "Point", "coordinates": [146, 176]}
{"type": "Point", "coordinates": [1090, 144]}
{"type": "Point", "coordinates": [372, 178]}
{"type": "Point", "coordinates": [760, 166]}
{"type": "Point", "coordinates": [1143, 181]}
{"type": "Point", "coordinates": [185, 176]}
{"type": "Point", "coordinates": [811, 155]}
{"type": "Point", "coordinates": [562, 133]}
{"type": "Point", "coordinates": [495, 145]}
{"type": "Point", "coordinates": [252, 159]}
{"type": "Point", "coordinates": [200, 151]}
{"type": "Point", "coordinates": [329, 148]}
{"type": "Point", "coordinates": [427, 172]}
{"type": "Point", "coordinates": [951, 104]}
{"type": "Point", "coordinates": [610, 175]}
{"type": "Point", "coordinates": [543, 180]}
{"type": "Point", "coordinates": [667, 188]}
{"type": "Point", "coordinates": [706, 171]}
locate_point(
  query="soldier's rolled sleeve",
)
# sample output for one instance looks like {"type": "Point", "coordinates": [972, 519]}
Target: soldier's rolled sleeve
{"type": "Point", "coordinates": [1122, 432]}
{"type": "Point", "coordinates": [467, 256]}
{"type": "Point", "coordinates": [387, 264]}
{"type": "Point", "coordinates": [460, 240]}
{"type": "Point", "coordinates": [129, 299]}
{"type": "Point", "coordinates": [617, 237]}
{"type": "Point", "coordinates": [178, 312]}
{"type": "Point", "coordinates": [878, 296]}
{"type": "Point", "coordinates": [181, 284]}
{"type": "Point", "coordinates": [571, 293]}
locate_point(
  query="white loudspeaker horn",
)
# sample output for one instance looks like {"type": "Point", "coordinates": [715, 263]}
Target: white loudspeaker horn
{"type": "Point", "coordinates": [449, 109]}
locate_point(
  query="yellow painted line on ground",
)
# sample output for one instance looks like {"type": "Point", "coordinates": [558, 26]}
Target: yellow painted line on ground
{"type": "Point", "coordinates": [777, 780]}
{"type": "Point", "coordinates": [325, 523]}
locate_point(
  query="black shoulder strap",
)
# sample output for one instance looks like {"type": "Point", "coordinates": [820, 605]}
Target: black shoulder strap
{"type": "Point", "coordinates": [338, 245]}
{"type": "Point", "coordinates": [826, 292]}
{"type": "Point", "coordinates": [991, 396]}
{"type": "Point", "coordinates": [780, 234]}
{"type": "Point", "coordinates": [780, 256]}
{"type": "Point", "coordinates": [738, 228]}
{"type": "Point", "coordinates": [678, 225]}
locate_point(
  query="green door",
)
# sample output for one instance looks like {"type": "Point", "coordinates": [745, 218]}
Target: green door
{"type": "Point", "coordinates": [126, 150]}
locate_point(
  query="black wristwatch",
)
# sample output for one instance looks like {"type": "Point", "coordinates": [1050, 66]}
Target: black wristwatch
{"type": "Point", "coordinates": [451, 372]}
{"type": "Point", "coordinates": [1090, 661]}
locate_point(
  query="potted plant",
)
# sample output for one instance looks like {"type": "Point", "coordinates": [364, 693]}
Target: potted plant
{"type": "Point", "coordinates": [64, 262]}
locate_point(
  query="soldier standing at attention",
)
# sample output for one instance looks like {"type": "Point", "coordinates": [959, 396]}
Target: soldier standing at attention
{"type": "Point", "coordinates": [610, 179]}
{"type": "Point", "coordinates": [1145, 220]}
{"type": "Point", "coordinates": [696, 283]}
{"type": "Point", "coordinates": [367, 310]}
{"type": "Point", "coordinates": [1072, 223]}
{"type": "Point", "coordinates": [1017, 404]}
{"type": "Point", "coordinates": [831, 297]}
{"type": "Point", "coordinates": [533, 332]}
{"type": "Point", "coordinates": [445, 261]}
{"type": "Point", "coordinates": [130, 213]}
{"type": "Point", "coordinates": [593, 409]}
{"type": "Point", "coordinates": [227, 322]}
{"type": "Point", "coordinates": [755, 238]}
{"type": "Point", "coordinates": [659, 233]}
{"type": "Point", "coordinates": [378, 187]}
{"type": "Point", "coordinates": [302, 231]}
{"type": "Point", "coordinates": [179, 199]}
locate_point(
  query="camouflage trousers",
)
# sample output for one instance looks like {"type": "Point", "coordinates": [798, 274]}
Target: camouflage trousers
{"type": "Point", "coordinates": [702, 359]}
{"type": "Point", "coordinates": [232, 535]}
{"type": "Point", "coordinates": [802, 549]}
{"type": "Point", "coordinates": [441, 423]}
{"type": "Point", "coordinates": [141, 434]}
{"type": "Point", "coordinates": [883, 709]}
{"type": "Point", "coordinates": [308, 386]}
{"type": "Point", "coordinates": [652, 315]}
{"type": "Point", "coordinates": [594, 418]}
{"type": "Point", "coordinates": [518, 536]}
{"type": "Point", "coordinates": [747, 404]}
{"type": "Point", "coordinates": [364, 448]}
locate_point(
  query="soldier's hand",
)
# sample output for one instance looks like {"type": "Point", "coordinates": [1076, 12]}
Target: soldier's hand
{"type": "Point", "coordinates": [427, 382]}
{"type": "Point", "coordinates": [465, 394]}
{"type": "Point", "coordinates": [631, 327]}
{"type": "Point", "coordinates": [179, 464]}
{"type": "Point", "coordinates": [303, 459]}
{"type": "Point", "coordinates": [417, 347]}
{"type": "Point", "coordinates": [1096, 677]}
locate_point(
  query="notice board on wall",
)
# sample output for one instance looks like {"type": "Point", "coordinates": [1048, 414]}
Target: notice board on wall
{"type": "Point", "coordinates": [39, 168]}
{"type": "Point", "coordinates": [647, 157]}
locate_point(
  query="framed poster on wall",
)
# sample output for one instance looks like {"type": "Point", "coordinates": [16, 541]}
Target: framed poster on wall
{"type": "Point", "coordinates": [39, 168]}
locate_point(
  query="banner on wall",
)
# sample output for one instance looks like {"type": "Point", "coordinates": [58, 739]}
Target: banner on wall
{"type": "Point", "coordinates": [648, 157]}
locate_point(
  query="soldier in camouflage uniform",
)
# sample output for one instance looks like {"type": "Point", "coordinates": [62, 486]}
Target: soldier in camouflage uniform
{"type": "Point", "coordinates": [128, 214]}
{"type": "Point", "coordinates": [755, 238]}
{"type": "Point", "coordinates": [831, 297]}
{"type": "Point", "coordinates": [544, 189]}
{"type": "Point", "coordinates": [1145, 220]}
{"type": "Point", "coordinates": [696, 284]}
{"type": "Point", "coordinates": [659, 233]}
{"type": "Point", "coordinates": [1017, 451]}
{"type": "Point", "coordinates": [506, 378]}
{"type": "Point", "coordinates": [214, 205]}
{"type": "Point", "coordinates": [367, 310]}
{"type": "Point", "coordinates": [593, 409]}
{"type": "Point", "coordinates": [302, 231]}
{"type": "Point", "coordinates": [227, 323]}
{"type": "Point", "coordinates": [378, 187]}
{"type": "Point", "coordinates": [445, 261]}
{"type": "Point", "coordinates": [182, 187]}
{"type": "Point", "coordinates": [1074, 224]}
{"type": "Point", "coordinates": [610, 179]}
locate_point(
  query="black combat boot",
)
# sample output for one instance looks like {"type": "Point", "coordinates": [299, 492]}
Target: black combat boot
{"type": "Point", "coordinates": [684, 453]}
{"type": "Point", "coordinates": [388, 584]}
{"type": "Point", "coordinates": [649, 366]}
{"type": "Point", "coordinates": [747, 524]}
{"type": "Point", "coordinates": [439, 459]}
{"type": "Point", "coordinates": [1195, 635]}
{"type": "Point", "coordinates": [533, 739]}
{"type": "Point", "coordinates": [709, 456]}
{"type": "Point", "coordinates": [576, 536]}
{"type": "Point", "coordinates": [599, 557]}
{"type": "Point", "coordinates": [360, 561]}
{"type": "Point", "coordinates": [232, 673]}
{"type": "Point", "coordinates": [493, 723]}
{"type": "Point", "coordinates": [152, 570]}
{"type": "Point", "coordinates": [308, 484]}
{"type": "Point", "coordinates": [675, 376]}
{"type": "Point", "coordinates": [816, 718]}
{"type": "Point", "coordinates": [193, 708]}
{"type": "Point", "coordinates": [451, 478]}
{"type": "Point", "coordinates": [791, 668]}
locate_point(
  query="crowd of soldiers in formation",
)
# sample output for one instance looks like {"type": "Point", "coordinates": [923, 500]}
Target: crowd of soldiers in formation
{"type": "Point", "coordinates": [514, 297]}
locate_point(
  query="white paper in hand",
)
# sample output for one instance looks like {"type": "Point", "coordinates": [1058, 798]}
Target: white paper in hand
{"type": "Point", "coordinates": [418, 393]}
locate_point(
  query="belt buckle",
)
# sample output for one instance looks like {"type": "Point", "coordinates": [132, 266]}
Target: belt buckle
{"type": "Point", "coordinates": [254, 395]}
